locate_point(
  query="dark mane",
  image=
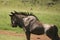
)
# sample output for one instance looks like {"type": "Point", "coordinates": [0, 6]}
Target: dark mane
{"type": "Point", "coordinates": [21, 13]}
{"type": "Point", "coordinates": [26, 14]}
{"type": "Point", "coordinates": [31, 14]}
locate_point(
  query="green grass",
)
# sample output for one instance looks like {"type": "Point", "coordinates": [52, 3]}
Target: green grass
{"type": "Point", "coordinates": [45, 14]}
{"type": "Point", "coordinates": [7, 37]}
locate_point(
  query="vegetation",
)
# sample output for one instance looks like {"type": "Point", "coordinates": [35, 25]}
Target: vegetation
{"type": "Point", "coordinates": [45, 13]}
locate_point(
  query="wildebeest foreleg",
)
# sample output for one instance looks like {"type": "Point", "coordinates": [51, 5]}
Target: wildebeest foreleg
{"type": "Point", "coordinates": [27, 35]}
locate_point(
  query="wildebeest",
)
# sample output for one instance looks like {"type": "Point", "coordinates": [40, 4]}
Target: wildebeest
{"type": "Point", "coordinates": [31, 25]}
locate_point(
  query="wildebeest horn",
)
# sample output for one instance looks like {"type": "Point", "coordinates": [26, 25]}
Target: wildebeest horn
{"type": "Point", "coordinates": [15, 11]}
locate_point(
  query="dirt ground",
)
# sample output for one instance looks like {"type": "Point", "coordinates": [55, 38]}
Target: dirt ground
{"type": "Point", "coordinates": [33, 37]}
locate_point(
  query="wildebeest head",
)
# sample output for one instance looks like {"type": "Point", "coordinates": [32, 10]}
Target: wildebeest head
{"type": "Point", "coordinates": [16, 19]}
{"type": "Point", "coordinates": [13, 21]}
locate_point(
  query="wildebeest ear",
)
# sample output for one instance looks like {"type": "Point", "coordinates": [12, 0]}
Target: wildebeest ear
{"type": "Point", "coordinates": [12, 13]}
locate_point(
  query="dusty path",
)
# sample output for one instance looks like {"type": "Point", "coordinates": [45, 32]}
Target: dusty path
{"type": "Point", "coordinates": [33, 37]}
